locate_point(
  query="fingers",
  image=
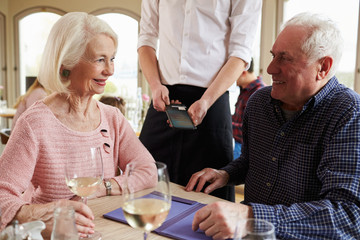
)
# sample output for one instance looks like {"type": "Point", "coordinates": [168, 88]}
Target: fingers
{"type": "Point", "coordinates": [194, 180]}
{"type": "Point", "coordinates": [166, 99]}
{"type": "Point", "coordinates": [161, 98]}
{"type": "Point", "coordinates": [175, 102]}
{"type": "Point", "coordinates": [84, 225]}
{"type": "Point", "coordinates": [200, 216]}
{"type": "Point", "coordinates": [217, 220]}
{"type": "Point", "coordinates": [83, 218]}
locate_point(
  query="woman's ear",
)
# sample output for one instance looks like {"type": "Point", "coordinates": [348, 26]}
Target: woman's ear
{"type": "Point", "coordinates": [325, 66]}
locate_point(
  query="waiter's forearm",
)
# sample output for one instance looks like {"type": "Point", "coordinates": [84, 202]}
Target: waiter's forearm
{"type": "Point", "coordinates": [149, 66]}
{"type": "Point", "coordinates": [228, 74]}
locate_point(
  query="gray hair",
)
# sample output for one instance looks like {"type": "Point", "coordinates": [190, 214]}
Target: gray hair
{"type": "Point", "coordinates": [66, 45]}
{"type": "Point", "coordinates": [324, 38]}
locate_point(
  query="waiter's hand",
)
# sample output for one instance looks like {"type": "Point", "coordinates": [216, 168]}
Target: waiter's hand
{"type": "Point", "coordinates": [197, 111]}
{"type": "Point", "coordinates": [160, 98]}
{"type": "Point", "coordinates": [217, 178]}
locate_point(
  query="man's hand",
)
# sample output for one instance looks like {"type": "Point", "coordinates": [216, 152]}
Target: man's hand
{"type": "Point", "coordinates": [219, 219]}
{"type": "Point", "coordinates": [217, 178]}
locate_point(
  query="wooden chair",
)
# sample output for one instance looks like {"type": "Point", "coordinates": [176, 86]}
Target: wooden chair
{"type": "Point", "coordinates": [5, 134]}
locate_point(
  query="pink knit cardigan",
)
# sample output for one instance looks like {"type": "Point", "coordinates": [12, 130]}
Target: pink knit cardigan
{"type": "Point", "coordinates": [37, 150]}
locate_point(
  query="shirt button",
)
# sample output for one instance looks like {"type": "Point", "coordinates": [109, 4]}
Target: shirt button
{"type": "Point", "coordinates": [268, 184]}
{"type": "Point", "coordinates": [282, 134]}
{"type": "Point", "coordinates": [273, 158]}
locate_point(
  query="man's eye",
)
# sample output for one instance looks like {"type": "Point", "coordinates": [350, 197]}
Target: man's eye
{"type": "Point", "coordinates": [112, 59]}
{"type": "Point", "coordinates": [100, 60]}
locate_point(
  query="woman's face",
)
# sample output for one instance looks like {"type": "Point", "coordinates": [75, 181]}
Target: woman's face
{"type": "Point", "coordinates": [89, 76]}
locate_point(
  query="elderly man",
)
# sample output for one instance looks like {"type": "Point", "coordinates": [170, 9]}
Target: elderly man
{"type": "Point", "coordinates": [300, 159]}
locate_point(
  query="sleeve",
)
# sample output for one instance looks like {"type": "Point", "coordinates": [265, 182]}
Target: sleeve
{"type": "Point", "coordinates": [149, 24]}
{"type": "Point", "coordinates": [130, 149]}
{"type": "Point", "coordinates": [335, 215]}
{"type": "Point", "coordinates": [244, 20]}
{"type": "Point", "coordinates": [17, 164]}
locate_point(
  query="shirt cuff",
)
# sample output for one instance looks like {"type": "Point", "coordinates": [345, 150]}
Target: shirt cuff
{"type": "Point", "coordinates": [264, 212]}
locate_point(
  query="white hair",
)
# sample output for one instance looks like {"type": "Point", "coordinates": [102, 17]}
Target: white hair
{"type": "Point", "coordinates": [324, 38]}
{"type": "Point", "coordinates": [65, 46]}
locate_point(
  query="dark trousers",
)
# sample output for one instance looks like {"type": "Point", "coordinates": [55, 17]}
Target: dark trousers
{"type": "Point", "coordinates": [188, 151]}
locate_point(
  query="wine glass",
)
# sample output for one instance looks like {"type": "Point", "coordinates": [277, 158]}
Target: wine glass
{"type": "Point", "coordinates": [254, 229]}
{"type": "Point", "coordinates": [83, 174]}
{"type": "Point", "coordinates": [146, 209]}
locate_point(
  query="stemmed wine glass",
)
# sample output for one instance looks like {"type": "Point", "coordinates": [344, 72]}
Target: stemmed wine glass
{"type": "Point", "coordinates": [146, 209]}
{"type": "Point", "coordinates": [83, 174]}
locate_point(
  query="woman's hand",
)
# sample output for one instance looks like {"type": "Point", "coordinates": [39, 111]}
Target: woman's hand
{"type": "Point", "coordinates": [45, 212]}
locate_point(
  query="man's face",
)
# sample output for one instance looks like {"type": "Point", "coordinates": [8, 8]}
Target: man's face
{"type": "Point", "coordinates": [294, 75]}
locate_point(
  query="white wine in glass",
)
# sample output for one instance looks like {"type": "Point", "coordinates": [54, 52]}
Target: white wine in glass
{"type": "Point", "coordinates": [143, 210]}
{"type": "Point", "coordinates": [83, 175]}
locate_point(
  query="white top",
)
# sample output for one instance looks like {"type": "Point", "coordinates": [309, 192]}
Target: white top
{"type": "Point", "coordinates": [198, 36]}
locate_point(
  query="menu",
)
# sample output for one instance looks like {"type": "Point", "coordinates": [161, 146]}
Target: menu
{"type": "Point", "coordinates": [178, 222]}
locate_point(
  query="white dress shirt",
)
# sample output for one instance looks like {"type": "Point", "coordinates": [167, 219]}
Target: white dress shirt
{"type": "Point", "coordinates": [198, 36]}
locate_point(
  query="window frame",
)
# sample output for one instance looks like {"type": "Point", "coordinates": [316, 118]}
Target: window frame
{"type": "Point", "coordinates": [3, 66]}
{"type": "Point", "coordinates": [17, 19]}
{"type": "Point", "coordinates": [141, 81]}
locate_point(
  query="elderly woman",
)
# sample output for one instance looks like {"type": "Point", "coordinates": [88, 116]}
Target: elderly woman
{"type": "Point", "coordinates": [77, 60]}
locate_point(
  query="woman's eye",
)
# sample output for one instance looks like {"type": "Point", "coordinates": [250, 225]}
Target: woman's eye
{"type": "Point", "coordinates": [100, 60]}
{"type": "Point", "coordinates": [112, 59]}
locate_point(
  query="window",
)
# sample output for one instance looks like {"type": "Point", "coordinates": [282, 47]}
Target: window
{"type": "Point", "coordinates": [346, 16]}
{"type": "Point", "coordinates": [124, 82]}
{"type": "Point", "coordinates": [2, 57]}
{"type": "Point", "coordinates": [31, 42]}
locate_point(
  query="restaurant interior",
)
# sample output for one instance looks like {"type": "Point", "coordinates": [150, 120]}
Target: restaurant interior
{"type": "Point", "coordinates": [25, 24]}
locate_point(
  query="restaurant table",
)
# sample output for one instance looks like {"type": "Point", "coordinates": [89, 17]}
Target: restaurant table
{"type": "Point", "coordinates": [8, 113]}
{"type": "Point", "coordinates": [113, 230]}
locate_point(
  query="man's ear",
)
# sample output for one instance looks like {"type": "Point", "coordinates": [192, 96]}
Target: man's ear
{"type": "Point", "coordinates": [324, 68]}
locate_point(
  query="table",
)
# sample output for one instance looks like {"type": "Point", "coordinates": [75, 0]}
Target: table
{"type": "Point", "coordinates": [112, 230]}
{"type": "Point", "coordinates": [8, 113]}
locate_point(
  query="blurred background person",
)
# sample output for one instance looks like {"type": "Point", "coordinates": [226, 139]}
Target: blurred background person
{"type": "Point", "coordinates": [114, 101]}
{"type": "Point", "coordinates": [35, 92]}
{"type": "Point", "coordinates": [248, 83]}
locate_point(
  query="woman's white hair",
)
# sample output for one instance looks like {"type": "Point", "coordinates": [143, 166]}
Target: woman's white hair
{"type": "Point", "coordinates": [324, 38]}
{"type": "Point", "coordinates": [65, 46]}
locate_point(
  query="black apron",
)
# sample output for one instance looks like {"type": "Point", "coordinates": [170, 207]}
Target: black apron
{"type": "Point", "coordinates": [188, 151]}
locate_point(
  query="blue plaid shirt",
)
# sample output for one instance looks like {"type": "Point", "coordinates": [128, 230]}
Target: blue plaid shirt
{"type": "Point", "coordinates": [303, 175]}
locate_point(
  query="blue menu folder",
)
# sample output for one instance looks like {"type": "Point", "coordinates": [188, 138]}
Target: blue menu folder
{"type": "Point", "coordinates": [178, 222]}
